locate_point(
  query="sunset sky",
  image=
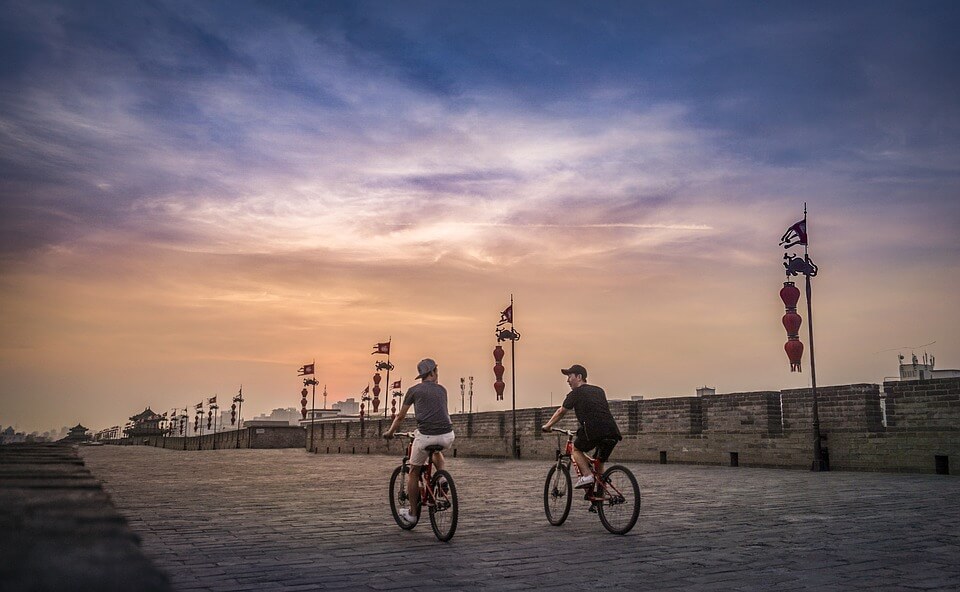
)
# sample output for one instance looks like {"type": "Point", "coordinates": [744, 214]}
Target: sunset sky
{"type": "Point", "coordinates": [196, 195]}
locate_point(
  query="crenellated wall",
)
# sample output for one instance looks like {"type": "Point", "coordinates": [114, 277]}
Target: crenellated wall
{"type": "Point", "coordinates": [253, 437]}
{"type": "Point", "coordinates": [758, 429]}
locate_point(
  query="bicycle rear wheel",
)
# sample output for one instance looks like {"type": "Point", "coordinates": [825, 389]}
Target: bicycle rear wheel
{"type": "Point", "coordinates": [556, 494]}
{"type": "Point", "coordinates": [398, 496]}
{"type": "Point", "coordinates": [443, 512]}
{"type": "Point", "coordinates": [620, 507]}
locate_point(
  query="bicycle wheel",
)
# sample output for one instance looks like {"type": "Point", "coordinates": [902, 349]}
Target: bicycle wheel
{"type": "Point", "coordinates": [443, 512]}
{"type": "Point", "coordinates": [556, 494]}
{"type": "Point", "coordinates": [398, 496]}
{"type": "Point", "coordinates": [621, 500]}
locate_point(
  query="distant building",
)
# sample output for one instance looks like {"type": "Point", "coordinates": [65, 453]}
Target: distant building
{"type": "Point", "coordinates": [77, 434]}
{"type": "Point", "coordinates": [111, 433]}
{"type": "Point", "coordinates": [10, 436]}
{"type": "Point", "coordinates": [146, 423]}
{"type": "Point", "coordinates": [706, 390]}
{"type": "Point", "coordinates": [290, 415]}
{"type": "Point", "coordinates": [349, 407]}
{"type": "Point", "coordinates": [924, 371]}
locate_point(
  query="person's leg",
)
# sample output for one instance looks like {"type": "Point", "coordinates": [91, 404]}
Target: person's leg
{"type": "Point", "coordinates": [413, 489]}
{"type": "Point", "coordinates": [582, 462]}
{"type": "Point", "coordinates": [438, 460]}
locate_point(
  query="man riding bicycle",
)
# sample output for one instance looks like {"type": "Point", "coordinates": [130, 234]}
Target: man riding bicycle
{"type": "Point", "coordinates": [597, 429]}
{"type": "Point", "coordinates": [434, 427]}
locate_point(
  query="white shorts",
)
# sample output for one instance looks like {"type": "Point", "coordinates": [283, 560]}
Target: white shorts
{"type": "Point", "coordinates": [418, 452]}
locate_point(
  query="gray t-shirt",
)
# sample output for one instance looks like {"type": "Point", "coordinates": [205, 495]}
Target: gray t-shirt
{"type": "Point", "coordinates": [430, 399]}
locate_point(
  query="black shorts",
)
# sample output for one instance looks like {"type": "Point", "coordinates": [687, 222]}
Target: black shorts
{"type": "Point", "coordinates": [604, 445]}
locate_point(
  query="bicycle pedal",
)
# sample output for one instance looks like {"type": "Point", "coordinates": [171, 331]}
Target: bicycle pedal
{"type": "Point", "coordinates": [592, 509]}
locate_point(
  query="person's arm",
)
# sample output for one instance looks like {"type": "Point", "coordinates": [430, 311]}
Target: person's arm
{"type": "Point", "coordinates": [396, 421]}
{"type": "Point", "coordinates": [557, 415]}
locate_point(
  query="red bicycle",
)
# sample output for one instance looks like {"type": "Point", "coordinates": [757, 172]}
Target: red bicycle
{"type": "Point", "coordinates": [614, 495]}
{"type": "Point", "coordinates": [437, 492]}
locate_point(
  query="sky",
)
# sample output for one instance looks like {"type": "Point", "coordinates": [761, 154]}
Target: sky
{"type": "Point", "coordinates": [196, 196]}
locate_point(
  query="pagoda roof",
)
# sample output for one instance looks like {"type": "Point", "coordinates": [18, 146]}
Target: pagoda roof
{"type": "Point", "coordinates": [79, 427]}
{"type": "Point", "coordinates": [147, 414]}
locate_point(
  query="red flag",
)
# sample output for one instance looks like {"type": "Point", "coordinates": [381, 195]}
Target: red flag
{"type": "Point", "coordinates": [199, 406]}
{"type": "Point", "coordinates": [395, 385]}
{"type": "Point", "coordinates": [381, 348]}
{"type": "Point", "coordinates": [795, 235]}
{"type": "Point", "coordinates": [305, 370]}
{"type": "Point", "coordinates": [212, 400]}
{"type": "Point", "coordinates": [506, 316]}
{"type": "Point", "coordinates": [366, 391]}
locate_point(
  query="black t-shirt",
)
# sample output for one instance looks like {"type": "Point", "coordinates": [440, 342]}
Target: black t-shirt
{"type": "Point", "coordinates": [593, 412]}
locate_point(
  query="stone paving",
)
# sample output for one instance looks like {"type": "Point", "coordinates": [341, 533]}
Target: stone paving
{"type": "Point", "coordinates": [289, 520]}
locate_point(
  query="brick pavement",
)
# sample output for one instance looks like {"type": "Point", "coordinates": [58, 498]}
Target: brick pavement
{"type": "Point", "coordinates": [288, 520]}
{"type": "Point", "coordinates": [58, 529]}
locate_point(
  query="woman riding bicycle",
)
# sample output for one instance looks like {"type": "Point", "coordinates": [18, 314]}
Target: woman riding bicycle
{"type": "Point", "coordinates": [597, 430]}
{"type": "Point", "coordinates": [434, 427]}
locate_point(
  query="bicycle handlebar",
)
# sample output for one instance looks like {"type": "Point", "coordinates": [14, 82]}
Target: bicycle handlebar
{"type": "Point", "coordinates": [410, 435]}
{"type": "Point", "coordinates": [567, 432]}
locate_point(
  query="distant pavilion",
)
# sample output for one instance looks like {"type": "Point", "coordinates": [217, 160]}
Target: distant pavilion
{"type": "Point", "coordinates": [146, 423]}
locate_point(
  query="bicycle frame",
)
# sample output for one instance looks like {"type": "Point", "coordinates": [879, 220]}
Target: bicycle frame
{"type": "Point", "coordinates": [427, 498]}
{"type": "Point", "coordinates": [599, 491]}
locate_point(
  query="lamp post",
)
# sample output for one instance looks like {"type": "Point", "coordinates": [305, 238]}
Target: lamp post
{"type": "Point", "coordinates": [308, 370]}
{"type": "Point", "coordinates": [381, 348]}
{"type": "Point", "coordinates": [238, 400]}
{"type": "Point", "coordinates": [513, 336]}
{"type": "Point", "coordinates": [794, 265]}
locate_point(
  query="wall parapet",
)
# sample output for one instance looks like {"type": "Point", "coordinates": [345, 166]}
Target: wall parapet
{"type": "Point", "coordinates": [763, 429]}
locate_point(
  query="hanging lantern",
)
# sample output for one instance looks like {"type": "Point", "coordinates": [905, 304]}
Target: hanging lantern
{"type": "Point", "coordinates": [361, 411]}
{"type": "Point", "coordinates": [393, 408]}
{"type": "Point", "coordinates": [376, 392]}
{"type": "Point", "coordinates": [209, 418]}
{"type": "Point", "coordinates": [790, 295]}
{"type": "Point", "coordinates": [498, 385]}
{"type": "Point", "coordinates": [233, 414]}
{"type": "Point", "coordinates": [794, 349]}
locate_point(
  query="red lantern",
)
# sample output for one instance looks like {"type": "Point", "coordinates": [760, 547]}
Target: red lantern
{"type": "Point", "coordinates": [393, 408]}
{"type": "Point", "coordinates": [233, 414]}
{"type": "Point", "coordinates": [794, 349]}
{"type": "Point", "coordinates": [376, 392]}
{"type": "Point", "coordinates": [790, 295]}
{"type": "Point", "coordinates": [498, 385]}
{"type": "Point", "coordinates": [791, 322]}
{"type": "Point", "coordinates": [361, 411]}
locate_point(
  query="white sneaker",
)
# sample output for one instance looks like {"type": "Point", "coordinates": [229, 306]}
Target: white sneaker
{"type": "Point", "coordinates": [584, 481]}
{"type": "Point", "coordinates": [407, 516]}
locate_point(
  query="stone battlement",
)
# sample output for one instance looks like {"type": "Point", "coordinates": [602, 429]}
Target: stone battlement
{"type": "Point", "coordinates": [921, 431]}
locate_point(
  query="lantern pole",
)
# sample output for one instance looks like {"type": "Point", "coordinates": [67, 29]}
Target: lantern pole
{"type": "Point", "coordinates": [313, 404]}
{"type": "Point", "coordinates": [513, 382]}
{"type": "Point", "coordinates": [389, 367]}
{"type": "Point", "coordinates": [818, 463]}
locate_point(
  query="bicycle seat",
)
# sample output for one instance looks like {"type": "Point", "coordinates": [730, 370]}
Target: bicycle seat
{"type": "Point", "coordinates": [434, 448]}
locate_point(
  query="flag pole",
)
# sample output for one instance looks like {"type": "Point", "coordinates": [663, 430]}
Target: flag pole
{"type": "Point", "coordinates": [513, 378]}
{"type": "Point", "coordinates": [313, 402]}
{"type": "Point", "coordinates": [818, 462]}
{"type": "Point", "coordinates": [389, 347]}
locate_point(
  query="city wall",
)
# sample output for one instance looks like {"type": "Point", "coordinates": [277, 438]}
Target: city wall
{"type": "Point", "coordinates": [253, 437]}
{"type": "Point", "coordinates": [757, 429]}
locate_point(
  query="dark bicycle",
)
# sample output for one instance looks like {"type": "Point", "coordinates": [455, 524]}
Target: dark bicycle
{"type": "Point", "coordinates": [437, 492]}
{"type": "Point", "coordinates": [614, 496]}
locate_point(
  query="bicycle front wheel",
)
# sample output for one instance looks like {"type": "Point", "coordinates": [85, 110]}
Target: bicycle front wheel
{"type": "Point", "coordinates": [398, 496]}
{"type": "Point", "coordinates": [556, 494]}
{"type": "Point", "coordinates": [444, 509]}
{"type": "Point", "coordinates": [620, 507]}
